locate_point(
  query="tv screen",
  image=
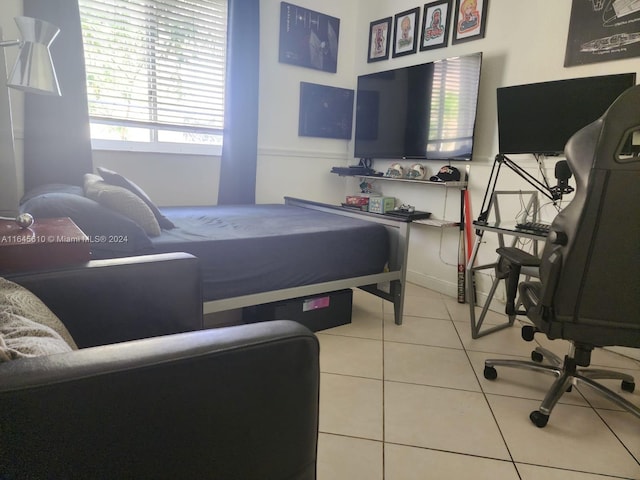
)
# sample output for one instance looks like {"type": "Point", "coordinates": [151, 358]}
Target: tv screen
{"type": "Point", "coordinates": [425, 111]}
{"type": "Point", "coordinates": [539, 118]}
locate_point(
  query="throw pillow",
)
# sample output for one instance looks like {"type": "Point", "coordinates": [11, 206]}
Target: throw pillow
{"type": "Point", "coordinates": [114, 178]}
{"type": "Point", "coordinates": [109, 231]}
{"type": "Point", "coordinates": [17, 300]}
{"type": "Point", "coordinates": [122, 201]}
{"type": "Point", "coordinates": [21, 337]}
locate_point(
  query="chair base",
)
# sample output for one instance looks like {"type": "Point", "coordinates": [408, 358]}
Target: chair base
{"type": "Point", "coordinates": [567, 374]}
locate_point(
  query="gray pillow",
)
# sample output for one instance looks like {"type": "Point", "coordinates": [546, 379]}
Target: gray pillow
{"type": "Point", "coordinates": [17, 300]}
{"type": "Point", "coordinates": [115, 178]}
{"type": "Point", "coordinates": [21, 337]}
{"type": "Point", "coordinates": [123, 201]}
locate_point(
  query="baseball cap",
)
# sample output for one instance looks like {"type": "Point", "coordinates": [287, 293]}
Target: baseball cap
{"type": "Point", "coordinates": [446, 174]}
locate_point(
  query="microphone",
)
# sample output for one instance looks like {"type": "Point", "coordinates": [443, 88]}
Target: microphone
{"type": "Point", "coordinates": [563, 174]}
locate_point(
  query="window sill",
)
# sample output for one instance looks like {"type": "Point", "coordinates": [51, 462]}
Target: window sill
{"type": "Point", "coordinates": [164, 147]}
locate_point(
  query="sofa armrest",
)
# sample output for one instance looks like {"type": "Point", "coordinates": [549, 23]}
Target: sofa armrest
{"type": "Point", "coordinates": [116, 300]}
{"type": "Point", "coordinates": [235, 402]}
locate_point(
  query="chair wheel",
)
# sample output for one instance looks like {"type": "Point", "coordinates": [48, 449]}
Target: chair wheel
{"type": "Point", "coordinates": [490, 373]}
{"type": "Point", "coordinates": [528, 333]}
{"type": "Point", "coordinates": [538, 418]}
{"type": "Point", "coordinates": [628, 386]}
{"type": "Point", "coordinates": [537, 356]}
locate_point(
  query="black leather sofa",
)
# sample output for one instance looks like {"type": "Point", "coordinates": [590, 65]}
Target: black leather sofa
{"type": "Point", "coordinates": [230, 403]}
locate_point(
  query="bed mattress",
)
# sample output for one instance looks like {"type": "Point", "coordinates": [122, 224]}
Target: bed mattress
{"type": "Point", "coordinates": [256, 248]}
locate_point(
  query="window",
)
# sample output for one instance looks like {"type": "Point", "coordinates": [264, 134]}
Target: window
{"type": "Point", "coordinates": [155, 72]}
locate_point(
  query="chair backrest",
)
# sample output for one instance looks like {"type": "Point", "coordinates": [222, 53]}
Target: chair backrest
{"type": "Point", "coordinates": [591, 284]}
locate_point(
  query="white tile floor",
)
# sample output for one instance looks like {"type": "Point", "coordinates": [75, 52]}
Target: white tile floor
{"type": "Point", "coordinates": [410, 402]}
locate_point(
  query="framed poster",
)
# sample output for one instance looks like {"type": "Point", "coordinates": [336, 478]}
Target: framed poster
{"type": "Point", "coordinates": [600, 31]}
{"type": "Point", "coordinates": [308, 39]}
{"type": "Point", "coordinates": [325, 111]}
{"type": "Point", "coordinates": [405, 38]}
{"type": "Point", "coordinates": [435, 25]}
{"type": "Point", "coordinates": [379, 40]}
{"type": "Point", "coordinates": [470, 20]}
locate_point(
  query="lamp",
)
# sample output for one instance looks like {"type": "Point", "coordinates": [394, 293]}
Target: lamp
{"type": "Point", "coordinates": [33, 72]}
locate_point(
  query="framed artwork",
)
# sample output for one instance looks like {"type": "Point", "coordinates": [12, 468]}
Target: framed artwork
{"type": "Point", "coordinates": [325, 111]}
{"type": "Point", "coordinates": [308, 39]}
{"type": "Point", "coordinates": [405, 38]}
{"type": "Point", "coordinates": [435, 25]}
{"type": "Point", "coordinates": [470, 20]}
{"type": "Point", "coordinates": [379, 40]}
{"type": "Point", "coordinates": [602, 31]}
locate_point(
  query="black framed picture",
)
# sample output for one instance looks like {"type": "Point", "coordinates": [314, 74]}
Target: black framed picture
{"type": "Point", "coordinates": [308, 39]}
{"type": "Point", "coordinates": [470, 20]}
{"type": "Point", "coordinates": [405, 38]}
{"type": "Point", "coordinates": [379, 40]}
{"type": "Point", "coordinates": [325, 111]}
{"type": "Point", "coordinates": [602, 31]}
{"type": "Point", "coordinates": [435, 25]}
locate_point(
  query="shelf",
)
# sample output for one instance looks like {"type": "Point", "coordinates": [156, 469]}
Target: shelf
{"type": "Point", "coordinates": [423, 182]}
{"type": "Point", "coordinates": [434, 222]}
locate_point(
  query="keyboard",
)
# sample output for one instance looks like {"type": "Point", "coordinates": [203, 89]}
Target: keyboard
{"type": "Point", "coordinates": [534, 227]}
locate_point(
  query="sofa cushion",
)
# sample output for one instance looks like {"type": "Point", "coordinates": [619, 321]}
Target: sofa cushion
{"type": "Point", "coordinates": [17, 300]}
{"type": "Point", "coordinates": [21, 337]}
{"type": "Point", "coordinates": [99, 223]}
{"type": "Point", "coordinates": [122, 201]}
{"type": "Point", "coordinates": [114, 178]}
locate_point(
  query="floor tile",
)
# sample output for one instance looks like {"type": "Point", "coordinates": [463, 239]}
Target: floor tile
{"type": "Point", "coordinates": [360, 357]}
{"type": "Point", "coordinates": [421, 306]}
{"type": "Point", "coordinates": [443, 419]}
{"type": "Point", "coordinates": [411, 463]}
{"type": "Point", "coordinates": [626, 427]}
{"type": "Point", "coordinates": [363, 325]}
{"type": "Point", "coordinates": [460, 312]}
{"type": "Point", "coordinates": [575, 438]}
{"type": "Point", "coordinates": [348, 458]}
{"type": "Point", "coordinates": [533, 472]}
{"type": "Point", "coordinates": [507, 341]}
{"type": "Point", "coordinates": [425, 365]}
{"type": "Point", "coordinates": [351, 406]}
{"type": "Point", "coordinates": [423, 331]}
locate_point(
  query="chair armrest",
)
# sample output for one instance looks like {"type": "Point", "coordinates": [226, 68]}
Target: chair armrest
{"type": "Point", "coordinates": [235, 402]}
{"type": "Point", "coordinates": [116, 300]}
{"type": "Point", "coordinates": [519, 257]}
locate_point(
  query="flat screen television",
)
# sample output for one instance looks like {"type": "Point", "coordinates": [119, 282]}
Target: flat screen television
{"type": "Point", "coordinates": [425, 112]}
{"type": "Point", "coordinates": [539, 118]}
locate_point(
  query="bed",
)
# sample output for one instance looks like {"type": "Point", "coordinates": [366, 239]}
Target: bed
{"type": "Point", "coordinates": [251, 254]}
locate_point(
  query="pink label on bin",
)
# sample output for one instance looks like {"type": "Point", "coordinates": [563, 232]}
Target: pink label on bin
{"type": "Point", "coordinates": [315, 303]}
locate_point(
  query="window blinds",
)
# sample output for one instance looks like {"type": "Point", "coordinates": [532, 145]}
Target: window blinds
{"type": "Point", "coordinates": [157, 64]}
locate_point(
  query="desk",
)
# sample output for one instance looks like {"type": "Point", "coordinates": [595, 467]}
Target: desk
{"type": "Point", "coordinates": [501, 229]}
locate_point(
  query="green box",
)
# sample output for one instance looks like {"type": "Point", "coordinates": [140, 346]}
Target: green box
{"type": "Point", "coordinates": [381, 204]}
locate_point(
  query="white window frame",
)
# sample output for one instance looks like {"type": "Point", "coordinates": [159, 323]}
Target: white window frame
{"type": "Point", "coordinates": [152, 20]}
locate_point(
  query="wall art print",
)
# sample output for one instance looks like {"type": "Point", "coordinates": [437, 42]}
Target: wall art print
{"type": "Point", "coordinates": [405, 37]}
{"type": "Point", "coordinates": [435, 25]}
{"type": "Point", "coordinates": [308, 39]}
{"type": "Point", "coordinates": [602, 30]}
{"type": "Point", "coordinates": [470, 20]}
{"type": "Point", "coordinates": [379, 40]}
{"type": "Point", "coordinates": [325, 111]}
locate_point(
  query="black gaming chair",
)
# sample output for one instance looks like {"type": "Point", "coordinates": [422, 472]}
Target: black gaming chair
{"type": "Point", "coordinates": [588, 291]}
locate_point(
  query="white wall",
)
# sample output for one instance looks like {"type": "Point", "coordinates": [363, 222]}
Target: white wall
{"type": "Point", "coordinates": [522, 45]}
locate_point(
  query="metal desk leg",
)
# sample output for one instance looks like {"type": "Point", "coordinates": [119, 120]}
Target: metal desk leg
{"type": "Point", "coordinates": [476, 324]}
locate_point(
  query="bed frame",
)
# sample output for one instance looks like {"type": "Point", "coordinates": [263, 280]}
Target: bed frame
{"type": "Point", "coordinates": [394, 279]}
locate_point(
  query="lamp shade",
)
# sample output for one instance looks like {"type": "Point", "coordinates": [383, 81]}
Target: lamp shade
{"type": "Point", "coordinates": [33, 71]}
